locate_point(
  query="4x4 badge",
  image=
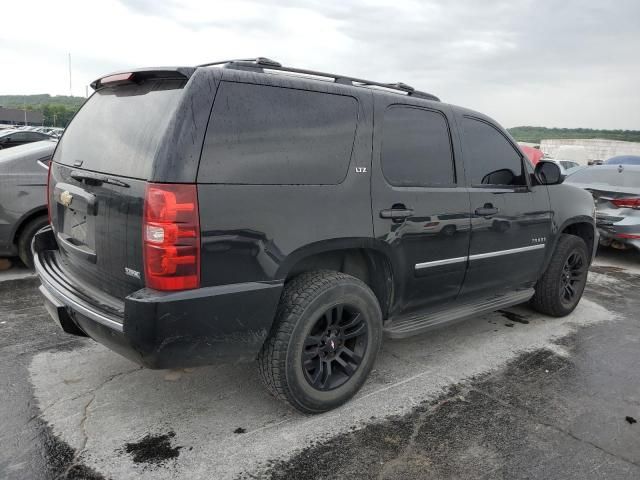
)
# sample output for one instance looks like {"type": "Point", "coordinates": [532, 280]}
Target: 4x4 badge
{"type": "Point", "coordinates": [66, 198]}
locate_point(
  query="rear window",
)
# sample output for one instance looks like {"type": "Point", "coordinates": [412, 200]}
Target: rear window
{"type": "Point", "coordinates": [119, 129]}
{"type": "Point", "coordinates": [271, 135]}
{"type": "Point", "coordinates": [607, 177]}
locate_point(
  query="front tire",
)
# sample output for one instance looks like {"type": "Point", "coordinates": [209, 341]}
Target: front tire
{"type": "Point", "coordinates": [324, 341]}
{"type": "Point", "coordinates": [560, 289]}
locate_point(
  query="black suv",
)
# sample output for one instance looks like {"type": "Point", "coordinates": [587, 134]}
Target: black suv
{"type": "Point", "coordinates": [243, 210]}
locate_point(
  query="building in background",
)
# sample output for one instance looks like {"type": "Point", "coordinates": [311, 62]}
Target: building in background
{"type": "Point", "coordinates": [596, 150]}
{"type": "Point", "coordinates": [15, 116]}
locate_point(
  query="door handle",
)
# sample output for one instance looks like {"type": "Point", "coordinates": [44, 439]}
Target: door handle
{"type": "Point", "coordinates": [486, 211]}
{"type": "Point", "coordinates": [396, 213]}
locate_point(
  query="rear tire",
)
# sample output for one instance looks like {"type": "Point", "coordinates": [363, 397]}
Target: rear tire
{"type": "Point", "coordinates": [559, 290]}
{"type": "Point", "coordinates": [26, 236]}
{"type": "Point", "coordinates": [324, 341]}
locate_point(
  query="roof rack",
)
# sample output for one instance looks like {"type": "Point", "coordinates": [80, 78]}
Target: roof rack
{"type": "Point", "coordinates": [261, 63]}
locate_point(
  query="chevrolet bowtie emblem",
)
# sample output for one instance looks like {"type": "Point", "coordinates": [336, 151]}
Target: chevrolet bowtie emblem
{"type": "Point", "coordinates": [66, 198]}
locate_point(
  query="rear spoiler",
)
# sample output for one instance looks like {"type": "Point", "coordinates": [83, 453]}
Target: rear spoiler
{"type": "Point", "coordinates": [138, 75]}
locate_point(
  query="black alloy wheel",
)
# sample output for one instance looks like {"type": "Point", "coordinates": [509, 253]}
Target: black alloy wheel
{"type": "Point", "coordinates": [574, 275]}
{"type": "Point", "coordinates": [335, 347]}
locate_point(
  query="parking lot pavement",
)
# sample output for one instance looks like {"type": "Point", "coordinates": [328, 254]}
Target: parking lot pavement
{"type": "Point", "coordinates": [507, 395]}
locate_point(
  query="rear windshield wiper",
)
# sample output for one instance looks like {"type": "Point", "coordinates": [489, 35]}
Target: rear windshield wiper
{"type": "Point", "coordinates": [96, 178]}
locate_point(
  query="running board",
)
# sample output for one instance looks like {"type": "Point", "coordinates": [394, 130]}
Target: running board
{"type": "Point", "coordinates": [415, 324]}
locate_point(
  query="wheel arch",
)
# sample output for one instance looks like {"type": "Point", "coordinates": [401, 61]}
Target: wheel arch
{"type": "Point", "coordinates": [26, 218]}
{"type": "Point", "coordinates": [582, 226]}
{"type": "Point", "coordinates": [363, 258]}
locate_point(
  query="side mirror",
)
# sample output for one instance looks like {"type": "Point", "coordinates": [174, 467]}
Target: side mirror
{"type": "Point", "coordinates": [548, 173]}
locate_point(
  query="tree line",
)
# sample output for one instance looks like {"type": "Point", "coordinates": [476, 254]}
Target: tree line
{"type": "Point", "coordinates": [536, 134]}
{"type": "Point", "coordinates": [57, 110]}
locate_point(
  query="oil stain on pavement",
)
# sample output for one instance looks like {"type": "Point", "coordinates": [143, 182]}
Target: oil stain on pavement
{"type": "Point", "coordinates": [153, 450]}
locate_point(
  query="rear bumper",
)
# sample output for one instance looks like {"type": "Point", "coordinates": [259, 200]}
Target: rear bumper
{"type": "Point", "coordinates": [162, 329]}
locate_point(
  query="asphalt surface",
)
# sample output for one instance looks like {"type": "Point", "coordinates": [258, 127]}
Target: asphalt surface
{"type": "Point", "coordinates": [512, 394]}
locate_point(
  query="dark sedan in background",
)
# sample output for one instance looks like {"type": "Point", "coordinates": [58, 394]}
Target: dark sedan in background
{"type": "Point", "coordinates": [616, 191]}
{"type": "Point", "coordinates": [13, 138]}
{"type": "Point", "coordinates": [23, 202]}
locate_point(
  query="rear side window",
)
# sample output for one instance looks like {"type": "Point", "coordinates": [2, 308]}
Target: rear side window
{"type": "Point", "coordinates": [416, 148]}
{"type": "Point", "coordinates": [119, 129]}
{"type": "Point", "coordinates": [267, 135]}
{"type": "Point", "coordinates": [490, 157]}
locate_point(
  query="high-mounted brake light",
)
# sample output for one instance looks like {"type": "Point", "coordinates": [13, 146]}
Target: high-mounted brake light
{"type": "Point", "coordinates": [117, 79]}
{"type": "Point", "coordinates": [629, 202]}
{"type": "Point", "coordinates": [171, 237]}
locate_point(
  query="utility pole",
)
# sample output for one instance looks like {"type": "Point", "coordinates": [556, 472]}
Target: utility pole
{"type": "Point", "coordinates": [24, 100]}
{"type": "Point", "coordinates": [70, 87]}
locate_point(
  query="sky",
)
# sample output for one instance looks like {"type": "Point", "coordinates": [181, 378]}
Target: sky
{"type": "Point", "coordinates": [523, 62]}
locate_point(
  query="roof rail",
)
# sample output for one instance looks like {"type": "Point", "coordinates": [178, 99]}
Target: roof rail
{"type": "Point", "coordinates": [261, 63]}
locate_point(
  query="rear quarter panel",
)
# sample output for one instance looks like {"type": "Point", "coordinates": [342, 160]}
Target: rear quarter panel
{"type": "Point", "coordinates": [22, 193]}
{"type": "Point", "coordinates": [255, 232]}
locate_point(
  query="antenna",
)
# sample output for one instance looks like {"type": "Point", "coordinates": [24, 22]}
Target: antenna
{"type": "Point", "coordinates": [70, 87]}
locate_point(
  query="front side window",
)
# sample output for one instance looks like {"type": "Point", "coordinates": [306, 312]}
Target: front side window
{"type": "Point", "coordinates": [416, 148]}
{"type": "Point", "coordinates": [491, 159]}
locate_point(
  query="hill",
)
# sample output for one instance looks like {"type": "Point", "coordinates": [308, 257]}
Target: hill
{"type": "Point", "coordinates": [37, 101]}
{"type": "Point", "coordinates": [535, 134]}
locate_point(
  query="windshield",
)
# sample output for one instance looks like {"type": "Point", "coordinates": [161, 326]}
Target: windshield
{"type": "Point", "coordinates": [606, 176]}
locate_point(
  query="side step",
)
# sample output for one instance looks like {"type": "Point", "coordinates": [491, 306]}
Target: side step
{"type": "Point", "coordinates": [415, 324]}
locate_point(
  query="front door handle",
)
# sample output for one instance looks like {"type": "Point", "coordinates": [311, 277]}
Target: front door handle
{"type": "Point", "coordinates": [486, 211]}
{"type": "Point", "coordinates": [396, 213]}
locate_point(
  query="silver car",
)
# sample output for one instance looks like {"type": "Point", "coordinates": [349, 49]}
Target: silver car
{"type": "Point", "coordinates": [23, 199]}
{"type": "Point", "coordinates": [616, 191]}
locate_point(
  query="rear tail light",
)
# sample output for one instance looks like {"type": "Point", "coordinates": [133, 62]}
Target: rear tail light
{"type": "Point", "coordinates": [630, 202]}
{"type": "Point", "coordinates": [630, 236]}
{"type": "Point", "coordinates": [171, 237]}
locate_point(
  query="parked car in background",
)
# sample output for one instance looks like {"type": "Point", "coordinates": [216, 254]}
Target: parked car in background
{"type": "Point", "coordinates": [616, 191]}
{"type": "Point", "coordinates": [567, 167]}
{"type": "Point", "coordinates": [23, 202]}
{"type": "Point", "coordinates": [571, 153]}
{"type": "Point", "coordinates": [623, 160]}
{"type": "Point", "coordinates": [533, 154]}
{"type": "Point", "coordinates": [13, 138]}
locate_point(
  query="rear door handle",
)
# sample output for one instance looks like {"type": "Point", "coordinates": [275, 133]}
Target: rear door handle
{"type": "Point", "coordinates": [486, 211]}
{"type": "Point", "coordinates": [396, 213]}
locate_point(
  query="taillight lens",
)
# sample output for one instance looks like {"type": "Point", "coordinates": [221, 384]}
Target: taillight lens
{"type": "Point", "coordinates": [171, 237]}
{"type": "Point", "coordinates": [630, 202]}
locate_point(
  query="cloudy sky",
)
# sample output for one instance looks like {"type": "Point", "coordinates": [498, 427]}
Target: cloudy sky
{"type": "Point", "coordinates": [525, 62]}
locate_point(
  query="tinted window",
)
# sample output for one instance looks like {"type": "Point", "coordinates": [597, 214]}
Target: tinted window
{"type": "Point", "coordinates": [416, 148]}
{"type": "Point", "coordinates": [20, 137]}
{"type": "Point", "coordinates": [492, 160]}
{"type": "Point", "coordinates": [270, 135]}
{"type": "Point", "coordinates": [119, 129]}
